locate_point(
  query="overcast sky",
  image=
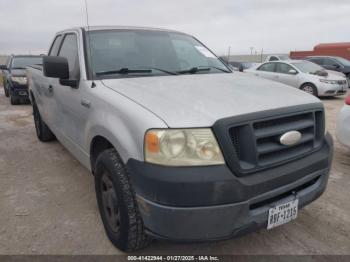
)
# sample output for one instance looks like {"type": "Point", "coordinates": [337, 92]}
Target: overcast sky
{"type": "Point", "coordinates": [278, 26]}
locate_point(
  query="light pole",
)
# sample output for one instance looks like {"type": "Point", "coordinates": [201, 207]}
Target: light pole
{"type": "Point", "coordinates": [228, 54]}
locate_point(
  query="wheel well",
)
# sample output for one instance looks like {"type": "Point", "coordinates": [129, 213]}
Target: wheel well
{"type": "Point", "coordinates": [98, 145]}
{"type": "Point", "coordinates": [307, 83]}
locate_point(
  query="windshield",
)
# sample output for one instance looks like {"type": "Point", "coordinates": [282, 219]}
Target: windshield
{"type": "Point", "coordinates": [133, 53]}
{"type": "Point", "coordinates": [343, 61]}
{"type": "Point", "coordinates": [22, 62]}
{"type": "Point", "coordinates": [307, 67]}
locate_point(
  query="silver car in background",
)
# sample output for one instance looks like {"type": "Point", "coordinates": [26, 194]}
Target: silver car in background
{"type": "Point", "coordinates": [304, 75]}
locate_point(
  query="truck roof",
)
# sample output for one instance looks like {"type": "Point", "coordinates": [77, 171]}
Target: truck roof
{"type": "Point", "coordinates": [101, 28]}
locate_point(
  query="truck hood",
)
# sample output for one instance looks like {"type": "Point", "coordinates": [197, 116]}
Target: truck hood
{"type": "Point", "coordinates": [200, 100]}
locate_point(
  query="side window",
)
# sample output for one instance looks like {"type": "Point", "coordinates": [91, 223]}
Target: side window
{"type": "Point", "coordinates": [268, 67]}
{"type": "Point", "coordinates": [69, 49]}
{"type": "Point", "coordinates": [283, 68]}
{"type": "Point", "coordinates": [318, 61]}
{"type": "Point", "coordinates": [55, 46]}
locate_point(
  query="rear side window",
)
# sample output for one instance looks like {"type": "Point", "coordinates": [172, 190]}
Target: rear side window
{"type": "Point", "coordinates": [283, 68]}
{"type": "Point", "coordinates": [69, 50]}
{"type": "Point", "coordinates": [269, 67]}
{"type": "Point", "coordinates": [55, 46]}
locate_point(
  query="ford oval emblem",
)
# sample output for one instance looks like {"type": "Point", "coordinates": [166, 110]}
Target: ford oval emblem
{"type": "Point", "coordinates": [290, 138]}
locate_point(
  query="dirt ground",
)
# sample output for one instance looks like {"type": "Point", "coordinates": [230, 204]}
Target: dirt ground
{"type": "Point", "coordinates": [48, 206]}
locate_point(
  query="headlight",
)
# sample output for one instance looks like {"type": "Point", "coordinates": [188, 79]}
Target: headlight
{"type": "Point", "coordinates": [19, 79]}
{"type": "Point", "coordinates": [182, 147]}
{"type": "Point", "coordinates": [332, 82]}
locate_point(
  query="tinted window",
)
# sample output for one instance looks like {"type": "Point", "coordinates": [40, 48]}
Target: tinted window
{"type": "Point", "coordinates": [307, 67]}
{"type": "Point", "coordinates": [283, 68]}
{"type": "Point", "coordinates": [55, 46]}
{"type": "Point", "coordinates": [273, 58]}
{"type": "Point", "coordinates": [330, 62]}
{"type": "Point", "coordinates": [318, 61]}
{"type": "Point", "coordinates": [69, 50]}
{"type": "Point", "coordinates": [23, 62]}
{"type": "Point", "coordinates": [269, 67]}
{"type": "Point", "coordinates": [144, 49]}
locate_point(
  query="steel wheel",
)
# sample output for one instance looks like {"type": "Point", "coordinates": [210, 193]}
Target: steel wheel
{"type": "Point", "coordinates": [310, 89]}
{"type": "Point", "coordinates": [110, 202]}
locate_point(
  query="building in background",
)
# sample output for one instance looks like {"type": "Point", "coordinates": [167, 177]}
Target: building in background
{"type": "Point", "coordinates": [330, 49]}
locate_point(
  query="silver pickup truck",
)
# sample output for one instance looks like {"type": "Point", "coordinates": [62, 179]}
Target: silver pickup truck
{"type": "Point", "coordinates": [180, 147]}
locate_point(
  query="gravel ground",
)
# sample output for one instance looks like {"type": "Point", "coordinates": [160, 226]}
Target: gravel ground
{"type": "Point", "coordinates": [48, 206]}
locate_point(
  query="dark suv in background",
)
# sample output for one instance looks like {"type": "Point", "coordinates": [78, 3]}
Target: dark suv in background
{"type": "Point", "coordinates": [14, 76]}
{"type": "Point", "coordinates": [334, 63]}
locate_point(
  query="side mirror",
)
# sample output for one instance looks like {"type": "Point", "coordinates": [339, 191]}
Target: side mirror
{"type": "Point", "coordinates": [3, 67]}
{"type": "Point", "coordinates": [292, 72]}
{"type": "Point", "coordinates": [336, 66]}
{"type": "Point", "coordinates": [56, 67]}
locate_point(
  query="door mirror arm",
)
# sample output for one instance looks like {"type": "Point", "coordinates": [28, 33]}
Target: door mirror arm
{"type": "Point", "coordinates": [73, 83]}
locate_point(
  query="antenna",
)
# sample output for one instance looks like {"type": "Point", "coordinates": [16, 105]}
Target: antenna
{"type": "Point", "coordinates": [93, 85]}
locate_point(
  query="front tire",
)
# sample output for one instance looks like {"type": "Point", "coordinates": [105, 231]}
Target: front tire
{"type": "Point", "coordinates": [117, 204]}
{"type": "Point", "coordinates": [6, 91]}
{"type": "Point", "coordinates": [310, 89]}
{"type": "Point", "coordinates": [14, 100]}
{"type": "Point", "coordinates": [43, 132]}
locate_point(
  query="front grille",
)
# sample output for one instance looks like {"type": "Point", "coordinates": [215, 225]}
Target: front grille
{"type": "Point", "coordinates": [257, 143]}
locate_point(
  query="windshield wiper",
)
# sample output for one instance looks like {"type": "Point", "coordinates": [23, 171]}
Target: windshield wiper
{"type": "Point", "coordinates": [196, 69]}
{"type": "Point", "coordinates": [124, 71]}
{"type": "Point", "coordinates": [162, 70]}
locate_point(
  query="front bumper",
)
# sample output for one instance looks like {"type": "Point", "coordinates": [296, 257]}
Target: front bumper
{"type": "Point", "coordinates": [332, 90]}
{"type": "Point", "coordinates": [19, 91]}
{"type": "Point", "coordinates": [211, 203]}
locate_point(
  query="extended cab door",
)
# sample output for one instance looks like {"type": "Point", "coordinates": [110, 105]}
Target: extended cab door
{"type": "Point", "coordinates": [45, 92]}
{"type": "Point", "coordinates": [72, 114]}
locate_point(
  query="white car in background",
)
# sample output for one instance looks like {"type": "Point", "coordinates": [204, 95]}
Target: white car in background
{"type": "Point", "coordinates": [305, 75]}
{"type": "Point", "coordinates": [343, 127]}
{"type": "Point", "coordinates": [271, 58]}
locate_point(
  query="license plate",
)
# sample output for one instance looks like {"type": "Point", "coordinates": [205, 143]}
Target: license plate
{"type": "Point", "coordinates": [22, 93]}
{"type": "Point", "coordinates": [282, 214]}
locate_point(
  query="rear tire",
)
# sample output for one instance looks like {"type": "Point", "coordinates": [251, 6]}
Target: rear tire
{"type": "Point", "coordinates": [310, 89]}
{"type": "Point", "coordinates": [117, 203]}
{"type": "Point", "coordinates": [43, 132]}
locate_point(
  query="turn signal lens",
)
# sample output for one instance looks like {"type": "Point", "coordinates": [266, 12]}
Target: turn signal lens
{"type": "Point", "coordinates": [152, 142]}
